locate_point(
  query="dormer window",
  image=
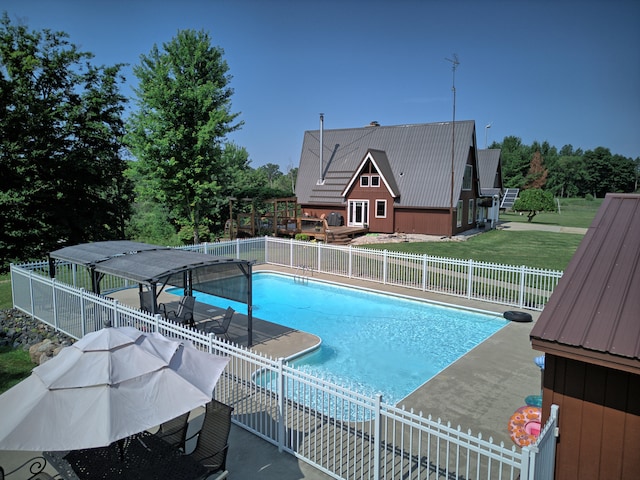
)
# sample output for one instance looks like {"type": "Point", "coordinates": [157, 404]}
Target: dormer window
{"type": "Point", "coordinates": [369, 180]}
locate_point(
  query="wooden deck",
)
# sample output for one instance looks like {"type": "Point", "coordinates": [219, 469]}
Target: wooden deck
{"type": "Point", "coordinates": [338, 235]}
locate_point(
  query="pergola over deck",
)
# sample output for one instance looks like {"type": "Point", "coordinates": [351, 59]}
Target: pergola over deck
{"type": "Point", "coordinates": [151, 266]}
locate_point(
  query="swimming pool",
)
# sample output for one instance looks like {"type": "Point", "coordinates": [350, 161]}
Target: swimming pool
{"type": "Point", "coordinates": [371, 342]}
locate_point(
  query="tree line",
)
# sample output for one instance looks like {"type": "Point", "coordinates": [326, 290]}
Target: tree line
{"type": "Point", "coordinates": [568, 172]}
{"type": "Point", "coordinates": [76, 168]}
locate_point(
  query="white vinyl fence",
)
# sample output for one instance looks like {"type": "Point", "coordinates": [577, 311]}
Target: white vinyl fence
{"type": "Point", "coordinates": [517, 286]}
{"type": "Point", "coordinates": [342, 433]}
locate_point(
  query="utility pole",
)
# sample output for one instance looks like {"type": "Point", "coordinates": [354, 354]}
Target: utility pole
{"type": "Point", "coordinates": [455, 64]}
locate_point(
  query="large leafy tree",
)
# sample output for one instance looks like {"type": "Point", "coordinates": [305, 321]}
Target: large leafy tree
{"type": "Point", "coordinates": [60, 145]}
{"type": "Point", "coordinates": [179, 131]}
{"type": "Point", "coordinates": [534, 201]}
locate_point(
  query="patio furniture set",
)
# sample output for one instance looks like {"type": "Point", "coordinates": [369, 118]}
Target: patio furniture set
{"type": "Point", "coordinates": [91, 409]}
{"type": "Point", "coordinates": [153, 456]}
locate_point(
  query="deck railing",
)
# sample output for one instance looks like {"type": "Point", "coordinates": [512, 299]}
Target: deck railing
{"type": "Point", "coordinates": [343, 433]}
{"type": "Point", "coordinates": [516, 286]}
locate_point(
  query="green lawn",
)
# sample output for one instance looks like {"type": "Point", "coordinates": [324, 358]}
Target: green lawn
{"type": "Point", "coordinates": [533, 249]}
{"type": "Point", "coordinates": [5, 292]}
{"type": "Point", "coordinates": [15, 365]}
{"type": "Point", "coordinates": [574, 212]}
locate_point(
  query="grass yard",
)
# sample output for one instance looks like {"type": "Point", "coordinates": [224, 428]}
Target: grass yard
{"type": "Point", "coordinates": [5, 292]}
{"type": "Point", "coordinates": [533, 249]}
{"type": "Point", "coordinates": [15, 365]}
{"type": "Point", "coordinates": [574, 212]}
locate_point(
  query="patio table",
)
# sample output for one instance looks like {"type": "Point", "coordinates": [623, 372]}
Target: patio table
{"type": "Point", "coordinates": [142, 456]}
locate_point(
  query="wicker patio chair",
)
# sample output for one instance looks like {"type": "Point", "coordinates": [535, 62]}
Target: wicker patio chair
{"type": "Point", "coordinates": [211, 444]}
{"type": "Point", "coordinates": [174, 431]}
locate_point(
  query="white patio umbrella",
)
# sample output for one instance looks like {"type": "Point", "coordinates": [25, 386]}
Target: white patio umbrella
{"type": "Point", "coordinates": [110, 384]}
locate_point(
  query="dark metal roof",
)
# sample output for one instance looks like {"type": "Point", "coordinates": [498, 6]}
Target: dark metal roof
{"type": "Point", "coordinates": [91, 253]}
{"type": "Point", "coordinates": [152, 266]}
{"type": "Point", "coordinates": [141, 262]}
{"type": "Point", "coordinates": [596, 306]}
{"type": "Point", "coordinates": [419, 157]}
{"type": "Point", "coordinates": [488, 170]}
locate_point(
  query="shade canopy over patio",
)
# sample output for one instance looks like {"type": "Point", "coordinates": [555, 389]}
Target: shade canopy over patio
{"type": "Point", "coordinates": [152, 265]}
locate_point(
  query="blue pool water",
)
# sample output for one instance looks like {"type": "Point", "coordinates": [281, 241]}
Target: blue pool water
{"type": "Point", "coordinates": [372, 343]}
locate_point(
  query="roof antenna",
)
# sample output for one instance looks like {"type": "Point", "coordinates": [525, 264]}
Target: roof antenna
{"type": "Point", "coordinates": [455, 64]}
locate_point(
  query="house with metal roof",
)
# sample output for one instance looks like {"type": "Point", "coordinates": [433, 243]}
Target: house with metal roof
{"type": "Point", "coordinates": [590, 334]}
{"type": "Point", "coordinates": [420, 178]}
{"type": "Point", "coordinates": [490, 177]}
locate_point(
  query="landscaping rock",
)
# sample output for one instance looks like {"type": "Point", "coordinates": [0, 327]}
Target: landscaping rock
{"type": "Point", "coordinates": [19, 330]}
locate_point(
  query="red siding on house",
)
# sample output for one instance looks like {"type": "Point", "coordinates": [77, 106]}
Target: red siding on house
{"type": "Point", "coordinates": [372, 194]}
{"type": "Point", "coordinates": [422, 221]}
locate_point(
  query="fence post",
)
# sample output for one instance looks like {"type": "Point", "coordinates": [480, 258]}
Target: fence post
{"type": "Point", "coordinates": [470, 279]}
{"type": "Point", "coordinates": [82, 313]}
{"type": "Point", "coordinates": [319, 257]}
{"type": "Point", "coordinates": [376, 439]}
{"type": "Point", "coordinates": [526, 464]}
{"type": "Point", "coordinates": [522, 287]}
{"type": "Point", "coordinates": [385, 259]}
{"type": "Point", "coordinates": [116, 313]}
{"type": "Point", "coordinates": [31, 300]}
{"type": "Point", "coordinates": [291, 253]}
{"type": "Point", "coordinates": [266, 249]}
{"type": "Point", "coordinates": [280, 394]}
{"type": "Point", "coordinates": [54, 303]}
{"type": "Point", "coordinates": [424, 273]}
{"type": "Point", "coordinates": [237, 248]}
{"type": "Point", "coordinates": [350, 272]}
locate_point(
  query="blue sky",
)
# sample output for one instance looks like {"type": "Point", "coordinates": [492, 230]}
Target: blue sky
{"type": "Point", "coordinates": [564, 71]}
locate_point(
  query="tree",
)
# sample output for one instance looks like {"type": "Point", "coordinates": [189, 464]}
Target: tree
{"type": "Point", "coordinates": [515, 162]}
{"type": "Point", "coordinates": [179, 130]}
{"type": "Point", "coordinates": [608, 173]}
{"type": "Point", "coordinates": [537, 176]}
{"type": "Point", "coordinates": [60, 145]}
{"type": "Point", "coordinates": [534, 201]}
{"type": "Point", "coordinates": [272, 173]}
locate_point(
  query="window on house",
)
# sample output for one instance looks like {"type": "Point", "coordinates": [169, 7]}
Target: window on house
{"type": "Point", "coordinates": [375, 181]}
{"type": "Point", "coordinates": [470, 212]}
{"type": "Point", "coordinates": [468, 174]}
{"type": "Point", "coordinates": [381, 208]}
{"type": "Point", "coordinates": [364, 181]}
{"type": "Point", "coordinates": [459, 214]}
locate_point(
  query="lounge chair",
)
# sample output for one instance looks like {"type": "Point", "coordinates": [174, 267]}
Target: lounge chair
{"type": "Point", "coordinates": [220, 327]}
{"type": "Point", "coordinates": [174, 431]}
{"type": "Point", "coordinates": [184, 313]}
{"type": "Point", "coordinates": [211, 444]}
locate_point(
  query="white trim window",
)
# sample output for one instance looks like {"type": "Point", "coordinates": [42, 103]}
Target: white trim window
{"type": "Point", "coordinates": [364, 180]}
{"type": "Point", "coordinates": [381, 209]}
{"type": "Point", "coordinates": [375, 180]}
{"type": "Point", "coordinates": [470, 212]}
{"type": "Point", "coordinates": [459, 214]}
